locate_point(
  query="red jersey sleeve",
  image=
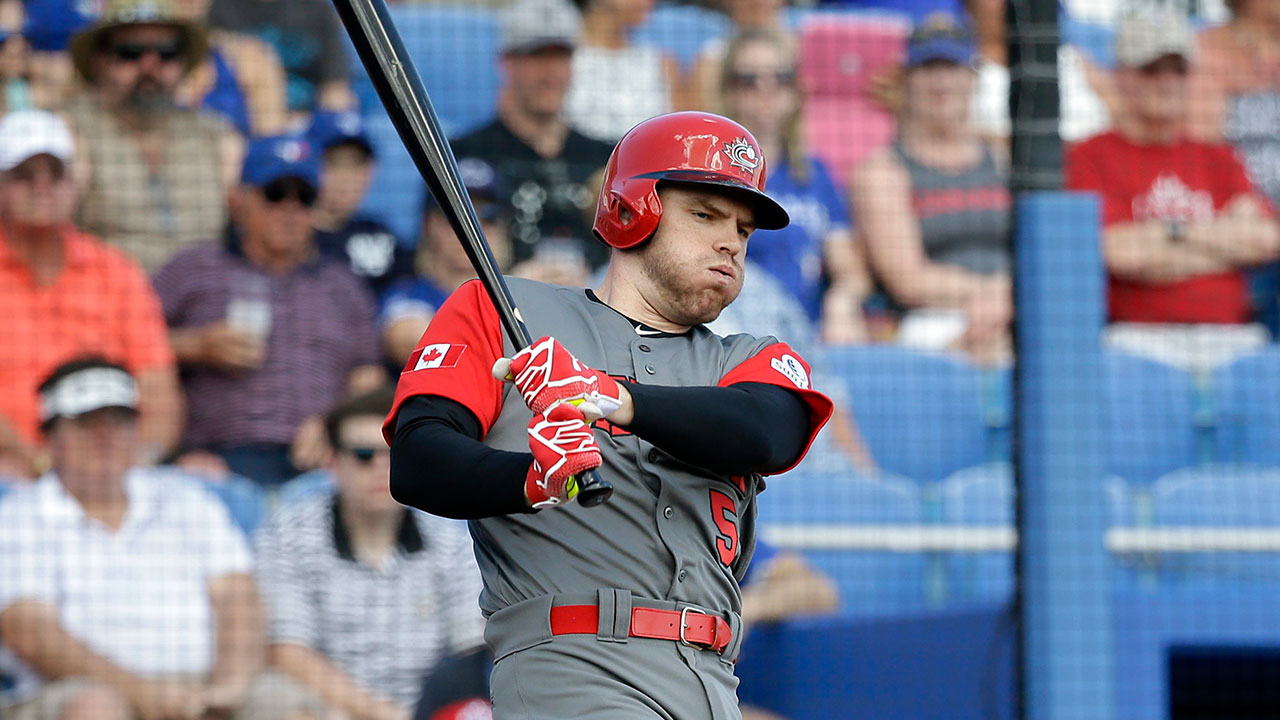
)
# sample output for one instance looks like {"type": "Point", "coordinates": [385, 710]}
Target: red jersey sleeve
{"type": "Point", "coordinates": [454, 358]}
{"type": "Point", "coordinates": [779, 365]}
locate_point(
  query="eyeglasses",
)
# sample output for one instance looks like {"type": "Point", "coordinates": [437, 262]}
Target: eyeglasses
{"type": "Point", "coordinates": [280, 190]}
{"type": "Point", "coordinates": [365, 455]}
{"type": "Point", "coordinates": [133, 52]}
{"type": "Point", "coordinates": [744, 80]}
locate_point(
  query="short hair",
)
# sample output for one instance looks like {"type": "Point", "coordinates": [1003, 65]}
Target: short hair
{"type": "Point", "coordinates": [375, 402]}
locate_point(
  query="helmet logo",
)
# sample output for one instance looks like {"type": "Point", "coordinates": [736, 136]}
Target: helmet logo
{"type": "Point", "coordinates": [742, 154]}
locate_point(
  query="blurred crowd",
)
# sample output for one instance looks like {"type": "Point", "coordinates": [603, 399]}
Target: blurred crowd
{"type": "Point", "coordinates": [195, 294]}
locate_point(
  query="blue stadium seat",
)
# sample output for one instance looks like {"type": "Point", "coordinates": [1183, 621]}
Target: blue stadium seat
{"type": "Point", "coordinates": [305, 487]}
{"type": "Point", "coordinates": [922, 415]}
{"type": "Point", "coordinates": [244, 499]}
{"type": "Point", "coordinates": [984, 496]}
{"type": "Point", "coordinates": [1247, 398]}
{"type": "Point", "coordinates": [455, 49]}
{"type": "Point", "coordinates": [682, 30]}
{"type": "Point", "coordinates": [871, 583]}
{"type": "Point", "coordinates": [1150, 416]}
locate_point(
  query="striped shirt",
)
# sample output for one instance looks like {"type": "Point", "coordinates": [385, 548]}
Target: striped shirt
{"type": "Point", "coordinates": [321, 326]}
{"type": "Point", "coordinates": [385, 627]}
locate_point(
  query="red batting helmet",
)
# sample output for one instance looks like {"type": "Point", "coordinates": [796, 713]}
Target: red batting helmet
{"type": "Point", "coordinates": [686, 147]}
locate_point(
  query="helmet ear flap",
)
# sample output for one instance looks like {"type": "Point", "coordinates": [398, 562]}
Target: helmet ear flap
{"type": "Point", "coordinates": [631, 214]}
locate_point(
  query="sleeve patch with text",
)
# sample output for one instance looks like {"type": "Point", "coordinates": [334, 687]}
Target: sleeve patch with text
{"type": "Point", "coordinates": [791, 369]}
{"type": "Point", "coordinates": [430, 357]}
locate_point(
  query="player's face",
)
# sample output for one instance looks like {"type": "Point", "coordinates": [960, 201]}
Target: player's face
{"type": "Point", "coordinates": [348, 170]}
{"type": "Point", "coordinates": [362, 466]}
{"type": "Point", "coordinates": [939, 92]}
{"type": "Point", "coordinates": [539, 80]}
{"type": "Point", "coordinates": [1156, 93]}
{"type": "Point", "coordinates": [692, 268]}
{"type": "Point", "coordinates": [142, 65]}
{"type": "Point", "coordinates": [92, 453]}
{"type": "Point", "coordinates": [761, 89]}
{"type": "Point", "coordinates": [38, 193]}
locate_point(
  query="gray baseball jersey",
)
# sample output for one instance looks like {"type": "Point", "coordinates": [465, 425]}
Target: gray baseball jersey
{"type": "Point", "coordinates": [672, 535]}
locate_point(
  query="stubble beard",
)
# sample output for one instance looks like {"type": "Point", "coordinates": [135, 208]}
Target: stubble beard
{"type": "Point", "coordinates": [683, 305]}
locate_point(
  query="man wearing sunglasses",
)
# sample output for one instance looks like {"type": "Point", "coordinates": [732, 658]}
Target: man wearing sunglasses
{"type": "Point", "coordinates": [153, 176]}
{"type": "Point", "coordinates": [394, 579]}
{"type": "Point", "coordinates": [1182, 221]}
{"type": "Point", "coordinates": [270, 334]}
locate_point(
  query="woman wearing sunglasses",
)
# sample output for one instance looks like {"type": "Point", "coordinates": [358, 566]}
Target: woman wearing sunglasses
{"type": "Point", "coordinates": [814, 258]}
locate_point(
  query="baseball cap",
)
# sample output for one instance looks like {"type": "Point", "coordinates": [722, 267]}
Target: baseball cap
{"type": "Point", "coordinates": [50, 24]}
{"type": "Point", "coordinates": [940, 37]}
{"type": "Point", "coordinates": [81, 387]}
{"type": "Point", "coordinates": [271, 158]}
{"type": "Point", "coordinates": [27, 133]}
{"type": "Point", "coordinates": [1143, 39]}
{"type": "Point", "coordinates": [332, 128]}
{"type": "Point", "coordinates": [529, 25]}
{"type": "Point", "coordinates": [483, 185]}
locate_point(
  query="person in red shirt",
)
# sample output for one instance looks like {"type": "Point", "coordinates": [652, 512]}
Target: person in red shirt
{"type": "Point", "coordinates": [1181, 218]}
{"type": "Point", "coordinates": [64, 295]}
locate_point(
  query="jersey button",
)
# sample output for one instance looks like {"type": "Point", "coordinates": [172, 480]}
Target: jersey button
{"type": "Point", "coordinates": [650, 368]}
{"type": "Point", "coordinates": [643, 347]}
{"type": "Point", "coordinates": [668, 512]}
{"type": "Point", "coordinates": [653, 456]}
{"type": "Point", "coordinates": [683, 574]}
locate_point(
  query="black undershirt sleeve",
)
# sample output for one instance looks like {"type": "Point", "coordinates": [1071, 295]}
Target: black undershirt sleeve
{"type": "Point", "coordinates": [737, 430]}
{"type": "Point", "coordinates": [439, 465]}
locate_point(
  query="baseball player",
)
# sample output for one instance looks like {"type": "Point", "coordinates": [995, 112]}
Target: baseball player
{"type": "Point", "coordinates": [629, 609]}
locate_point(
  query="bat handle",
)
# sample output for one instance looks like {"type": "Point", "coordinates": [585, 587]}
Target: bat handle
{"type": "Point", "coordinates": [592, 490]}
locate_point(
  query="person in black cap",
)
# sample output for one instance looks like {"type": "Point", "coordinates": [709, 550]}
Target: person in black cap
{"type": "Point", "coordinates": [441, 264]}
{"type": "Point", "coordinates": [361, 241]}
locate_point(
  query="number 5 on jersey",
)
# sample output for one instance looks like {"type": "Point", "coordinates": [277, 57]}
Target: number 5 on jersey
{"type": "Point", "coordinates": [725, 515]}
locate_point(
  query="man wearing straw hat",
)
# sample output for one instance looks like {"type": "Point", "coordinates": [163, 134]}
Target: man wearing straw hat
{"type": "Point", "coordinates": [153, 176]}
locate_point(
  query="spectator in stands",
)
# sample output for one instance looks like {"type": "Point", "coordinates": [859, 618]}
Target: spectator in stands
{"type": "Point", "coordinates": [704, 86]}
{"type": "Point", "coordinates": [153, 177]}
{"type": "Point", "coordinates": [309, 41]}
{"type": "Point", "coordinates": [64, 294]}
{"type": "Point", "coordinates": [241, 78]}
{"type": "Point", "coordinates": [617, 83]}
{"type": "Point", "coordinates": [124, 590]}
{"type": "Point", "coordinates": [442, 264]}
{"type": "Point", "coordinates": [1181, 218]}
{"type": "Point", "coordinates": [553, 170]}
{"type": "Point", "coordinates": [814, 257]}
{"type": "Point", "coordinates": [269, 333]}
{"type": "Point", "coordinates": [933, 208]}
{"type": "Point", "coordinates": [49, 73]}
{"type": "Point", "coordinates": [362, 242]}
{"type": "Point", "coordinates": [366, 644]}
{"type": "Point", "coordinates": [16, 93]}
{"type": "Point", "coordinates": [781, 585]}
{"type": "Point", "coordinates": [1235, 89]}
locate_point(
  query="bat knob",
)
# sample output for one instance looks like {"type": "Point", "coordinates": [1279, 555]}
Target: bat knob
{"type": "Point", "coordinates": [592, 490]}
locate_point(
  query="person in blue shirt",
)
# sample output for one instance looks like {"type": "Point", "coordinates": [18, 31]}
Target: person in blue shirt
{"type": "Point", "coordinates": [441, 264]}
{"type": "Point", "coordinates": [815, 257]}
{"type": "Point", "coordinates": [360, 241]}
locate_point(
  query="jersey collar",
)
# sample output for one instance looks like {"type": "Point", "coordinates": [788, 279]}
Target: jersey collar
{"type": "Point", "coordinates": [641, 329]}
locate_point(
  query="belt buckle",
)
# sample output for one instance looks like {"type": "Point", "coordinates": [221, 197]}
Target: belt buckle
{"type": "Point", "coordinates": [684, 625]}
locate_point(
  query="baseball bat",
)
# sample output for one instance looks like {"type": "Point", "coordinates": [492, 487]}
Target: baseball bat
{"type": "Point", "coordinates": [394, 76]}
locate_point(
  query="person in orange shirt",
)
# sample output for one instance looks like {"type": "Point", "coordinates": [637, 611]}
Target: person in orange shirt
{"type": "Point", "coordinates": [65, 294]}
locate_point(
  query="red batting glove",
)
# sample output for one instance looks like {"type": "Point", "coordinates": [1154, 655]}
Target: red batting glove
{"type": "Point", "coordinates": [546, 373]}
{"type": "Point", "coordinates": [563, 447]}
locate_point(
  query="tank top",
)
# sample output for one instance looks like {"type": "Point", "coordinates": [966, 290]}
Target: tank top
{"type": "Point", "coordinates": [225, 97]}
{"type": "Point", "coordinates": [964, 215]}
{"type": "Point", "coordinates": [615, 89]}
{"type": "Point", "coordinates": [151, 213]}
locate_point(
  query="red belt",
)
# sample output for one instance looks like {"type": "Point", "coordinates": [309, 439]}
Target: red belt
{"type": "Point", "coordinates": [687, 627]}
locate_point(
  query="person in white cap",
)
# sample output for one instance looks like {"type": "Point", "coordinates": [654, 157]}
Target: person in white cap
{"type": "Point", "coordinates": [65, 293]}
{"type": "Point", "coordinates": [125, 591]}
{"type": "Point", "coordinates": [1182, 220]}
